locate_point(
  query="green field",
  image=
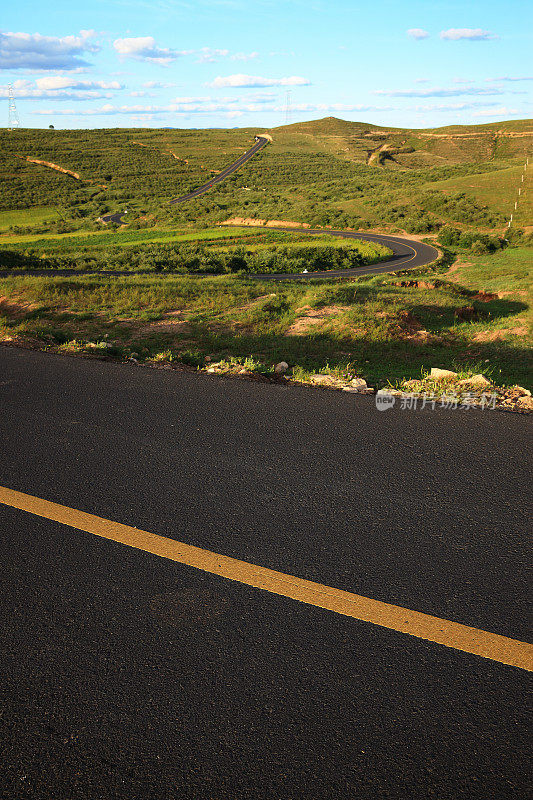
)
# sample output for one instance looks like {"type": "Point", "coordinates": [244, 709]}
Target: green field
{"type": "Point", "coordinates": [26, 217]}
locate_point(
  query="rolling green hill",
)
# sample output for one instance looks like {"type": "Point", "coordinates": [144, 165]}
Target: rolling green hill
{"type": "Point", "coordinates": [324, 172]}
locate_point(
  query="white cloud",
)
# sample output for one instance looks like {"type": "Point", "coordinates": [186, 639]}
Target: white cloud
{"type": "Point", "coordinates": [244, 56]}
{"type": "Point", "coordinates": [321, 107]}
{"type": "Point", "coordinates": [208, 55]}
{"type": "Point", "coordinates": [417, 33]}
{"type": "Point", "coordinates": [36, 52]}
{"type": "Point", "coordinates": [451, 107]}
{"type": "Point", "coordinates": [158, 85]}
{"type": "Point", "coordinates": [253, 81]}
{"type": "Point", "coordinates": [503, 111]}
{"type": "Point", "coordinates": [58, 87]}
{"type": "Point", "coordinates": [507, 78]}
{"type": "Point", "coordinates": [473, 34]}
{"type": "Point", "coordinates": [438, 92]}
{"type": "Point", "coordinates": [144, 48]}
{"type": "Point", "coordinates": [63, 82]}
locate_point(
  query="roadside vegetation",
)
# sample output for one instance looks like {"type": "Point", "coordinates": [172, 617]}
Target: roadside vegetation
{"type": "Point", "coordinates": [216, 251]}
{"type": "Point", "coordinates": [472, 317]}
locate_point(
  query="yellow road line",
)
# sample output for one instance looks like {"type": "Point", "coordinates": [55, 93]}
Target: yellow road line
{"type": "Point", "coordinates": [441, 631]}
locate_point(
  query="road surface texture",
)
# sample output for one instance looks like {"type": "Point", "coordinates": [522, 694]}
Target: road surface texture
{"type": "Point", "coordinates": [127, 675]}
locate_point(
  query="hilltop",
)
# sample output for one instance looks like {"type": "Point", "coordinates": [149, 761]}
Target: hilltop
{"type": "Point", "coordinates": [411, 148]}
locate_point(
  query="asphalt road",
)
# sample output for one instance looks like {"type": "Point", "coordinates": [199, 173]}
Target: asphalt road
{"type": "Point", "coordinates": [129, 676]}
{"type": "Point", "coordinates": [262, 141]}
{"type": "Point", "coordinates": [116, 217]}
{"type": "Point", "coordinates": [406, 254]}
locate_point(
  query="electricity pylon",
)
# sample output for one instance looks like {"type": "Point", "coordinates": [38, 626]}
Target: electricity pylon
{"type": "Point", "coordinates": [14, 121]}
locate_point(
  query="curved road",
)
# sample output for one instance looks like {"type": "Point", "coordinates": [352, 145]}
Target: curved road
{"type": "Point", "coordinates": [261, 141]}
{"type": "Point", "coordinates": [406, 254]}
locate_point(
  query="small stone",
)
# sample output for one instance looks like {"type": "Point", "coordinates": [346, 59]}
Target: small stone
{"type": "Point", "coordinates": [475, 380]}
{"type": "Point", "coordinates": [321, 380]}
{"type": "Point", "coordinates": [281, 367]}
{"type": "Point", "coordinates": [442, 374]}
{"type": "Point", "coordinates": [523, 392]}
{"type": "Point", "coordinates": [359, 384]}
{"type": "Point", "coordinates": [525, 403]}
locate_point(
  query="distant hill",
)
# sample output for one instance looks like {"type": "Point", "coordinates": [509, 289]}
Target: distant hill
{"type": "Point", "coordinates": [412, 148]}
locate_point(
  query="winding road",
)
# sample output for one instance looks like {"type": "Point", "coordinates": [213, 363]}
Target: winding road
{"type": "Point", "coordinates": [261, 141]}
{"type": "Point", "coordinates": [406, 253]}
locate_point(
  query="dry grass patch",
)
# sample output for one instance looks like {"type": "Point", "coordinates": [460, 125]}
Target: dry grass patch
{"type": "Point", "coordinates": [313, 317]}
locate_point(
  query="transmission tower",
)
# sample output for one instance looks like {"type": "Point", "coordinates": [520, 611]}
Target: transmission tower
{"type": "Point", "coordinates": [288, 107]}
{"type": "Point", "coordinates": [14, 121]}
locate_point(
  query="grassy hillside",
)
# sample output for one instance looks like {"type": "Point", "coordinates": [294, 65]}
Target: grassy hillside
{"type": "Point", "coordinates": [325, 172]}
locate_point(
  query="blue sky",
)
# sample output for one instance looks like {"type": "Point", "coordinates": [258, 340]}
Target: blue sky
{"type": "Point", "coordinates": [227, 63]}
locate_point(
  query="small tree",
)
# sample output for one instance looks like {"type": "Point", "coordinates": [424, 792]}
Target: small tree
{"type": "Point", "coordinates": [51, 127]}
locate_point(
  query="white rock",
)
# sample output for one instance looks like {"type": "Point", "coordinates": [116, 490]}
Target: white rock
{"type": "Point", "coordinates": [475, 380]}
{"type": "Point", "coordinates": [281, 367]}
{"type": "Point", "coordinates": [440, 374]}
{"type": "Point", "coordinates": [358, 383]}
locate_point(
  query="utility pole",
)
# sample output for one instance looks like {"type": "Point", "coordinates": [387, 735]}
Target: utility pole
{"type": "Point", "coordinates": [288, 107]}
{"type": "Point", "coordinates": [14, 121]}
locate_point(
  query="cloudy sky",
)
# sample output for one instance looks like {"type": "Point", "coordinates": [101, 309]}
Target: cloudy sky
{"type": "Point", "coordinates": [226, 63]}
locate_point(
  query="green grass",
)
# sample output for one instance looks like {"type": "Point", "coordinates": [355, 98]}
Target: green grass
{"type": "Point", "coordinates": [122, 237]}
{"type": "Point", "coordinates": [374, 330]}
{"type": "Point", "coordinates": [26, 216]}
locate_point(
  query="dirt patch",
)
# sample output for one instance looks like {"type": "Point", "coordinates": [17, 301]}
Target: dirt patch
{"type": "Point", "coordinates": [272, 223]}
{"type": "Point", "coordinates": [312, 317]}
{"type": "Point", "coordinates": [457, 266]}
{"type": "Point", "coordinates": [57, 168]}
{"type": "Point", "coordinates": [172, 322]}
{"type": "Point", "coordinates": [409, 323]}
{"type": "Point", "coordinates": [484, 296]}
{"type": "Point", "coordinates": [11, 308]}
{"type": "Point", "coordinates": [500, 333]}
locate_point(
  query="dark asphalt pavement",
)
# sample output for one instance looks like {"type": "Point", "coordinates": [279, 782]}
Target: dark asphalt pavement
{"type": "Point", "coordinates": [129, 676]}
{"type": "Point", "coordinates": [262, 141]}
{"type": "Point", "coordinates": [116, 217]}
